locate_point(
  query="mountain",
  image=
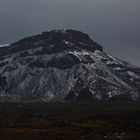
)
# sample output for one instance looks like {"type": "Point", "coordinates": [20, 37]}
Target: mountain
{"type": "Point", "coordinates": [64, 65]}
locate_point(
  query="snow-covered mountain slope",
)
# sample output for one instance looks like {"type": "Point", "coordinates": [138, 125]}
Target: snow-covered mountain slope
{"type": "Point", "coordinates": [64, 65]}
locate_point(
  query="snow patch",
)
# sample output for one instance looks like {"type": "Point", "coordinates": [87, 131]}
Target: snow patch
{"type": "Point", "coordinates": [132, 74]}
{"type": "Point", "coordinates": [66, 42]}
{"type": "Point", "coordinates": [117, 68]}
{"type": "Point", "coordinates": [4, 45]}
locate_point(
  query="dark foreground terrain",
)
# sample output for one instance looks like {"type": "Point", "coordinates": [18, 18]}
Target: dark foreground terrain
{"type": "Point", "coordinates": [79, 121]}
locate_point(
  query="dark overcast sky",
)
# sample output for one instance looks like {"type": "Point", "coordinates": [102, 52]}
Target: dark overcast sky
{"type": "Point", "coordinates": [115, 24]}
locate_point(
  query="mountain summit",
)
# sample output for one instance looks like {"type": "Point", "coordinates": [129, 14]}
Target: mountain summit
{"type": "Point", "coordinates": [65, 65]}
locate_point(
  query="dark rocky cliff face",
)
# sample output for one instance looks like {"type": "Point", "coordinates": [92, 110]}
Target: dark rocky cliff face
{"type": "Point", "coordinates": [60, 39]}
{"type": "Point", "coordinates": [64, 65]}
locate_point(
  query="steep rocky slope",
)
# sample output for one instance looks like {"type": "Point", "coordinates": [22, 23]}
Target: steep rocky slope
{"type": "Point", "coordinates": [64, 65]}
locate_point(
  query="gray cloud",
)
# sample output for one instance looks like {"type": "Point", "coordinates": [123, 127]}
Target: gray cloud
{"type": "Point", "coordinates": [112, 23]}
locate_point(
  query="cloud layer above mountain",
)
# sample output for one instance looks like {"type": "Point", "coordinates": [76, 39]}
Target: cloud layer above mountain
{"type": "Point", "coordinates": [114, 24]}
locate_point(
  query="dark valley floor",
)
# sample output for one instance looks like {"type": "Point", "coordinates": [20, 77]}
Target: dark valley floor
{"type": "Point", "coordinates": [71, 121]}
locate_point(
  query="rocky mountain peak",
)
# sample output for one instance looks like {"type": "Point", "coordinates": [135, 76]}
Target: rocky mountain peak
{"type": "Point", "coordinates": [56, 41]}
{"type": "Point", "coordinates": [64, 65]}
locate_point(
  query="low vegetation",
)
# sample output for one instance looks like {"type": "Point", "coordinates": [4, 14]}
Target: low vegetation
{"type": "Point", "coordinates": [79, 121]}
